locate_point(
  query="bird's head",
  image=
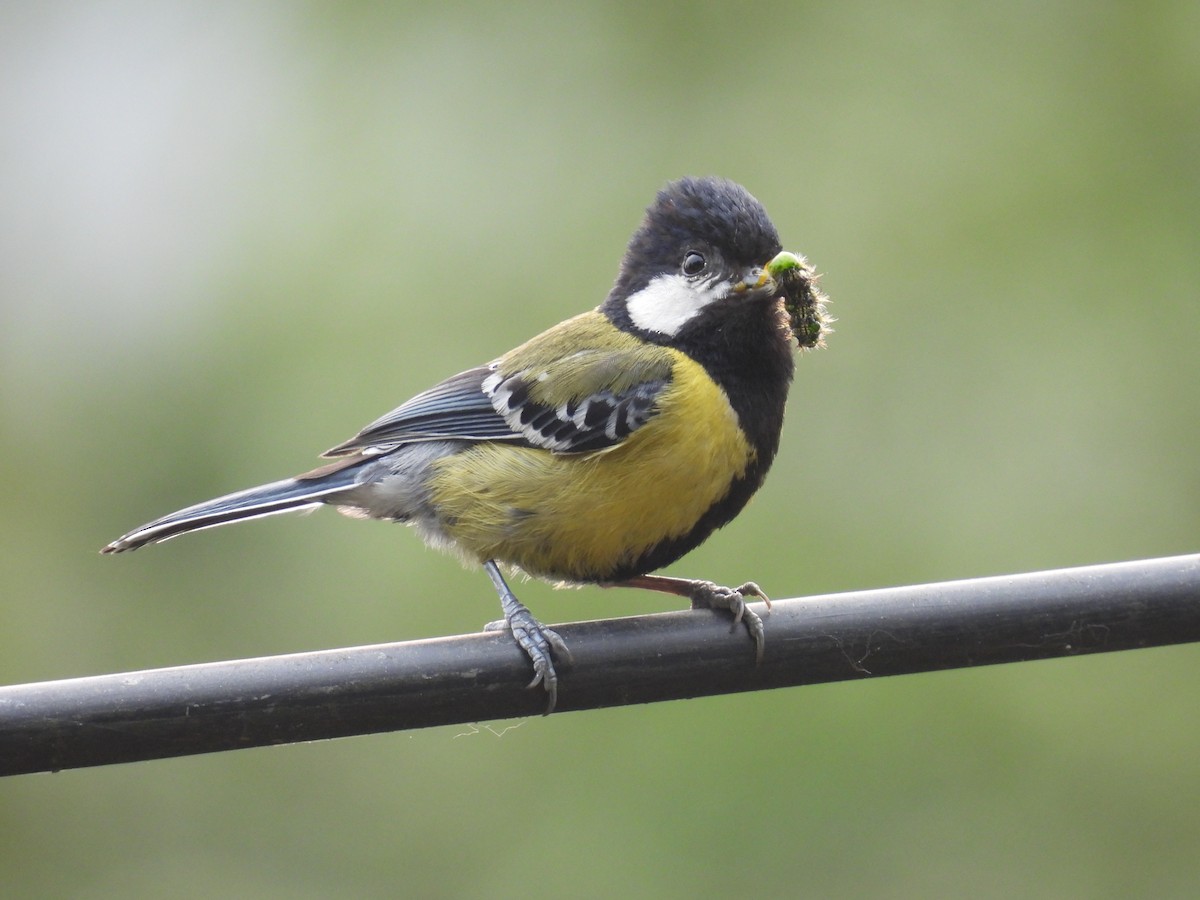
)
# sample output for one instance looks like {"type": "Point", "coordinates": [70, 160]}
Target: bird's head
{"type": "Point", "coordinates": [706, 251]}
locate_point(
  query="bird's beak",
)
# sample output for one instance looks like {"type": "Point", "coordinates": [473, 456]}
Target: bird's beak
{"type": "Point", "coordinates": [784, 268]}
{"type": "Point", "coordinates": [792, 281]}
{"type": "Point", "coordinates": [757, 279]}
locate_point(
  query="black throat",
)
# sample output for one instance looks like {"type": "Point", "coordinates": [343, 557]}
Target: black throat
{"type": "Point", "coordinates": [746, 347]}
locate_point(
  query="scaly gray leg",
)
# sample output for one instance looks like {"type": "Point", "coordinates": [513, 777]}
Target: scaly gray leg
{"type": "Point", "coordinates": [539, 642]}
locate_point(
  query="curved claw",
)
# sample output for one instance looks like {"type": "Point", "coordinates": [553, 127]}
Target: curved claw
{"type": "Point", "coordinates": [539, 643]}
{"type": "Point", "coordinates": [706, 595]}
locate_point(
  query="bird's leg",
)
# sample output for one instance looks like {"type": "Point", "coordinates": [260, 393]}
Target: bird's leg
{"type": "Point", "coordinates": [538, 641]}
{"type": "Point", "coordinates": [706, 595]}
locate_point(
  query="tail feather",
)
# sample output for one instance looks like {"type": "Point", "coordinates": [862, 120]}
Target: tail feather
{"type": "Point", "coordinates": [289, 495]}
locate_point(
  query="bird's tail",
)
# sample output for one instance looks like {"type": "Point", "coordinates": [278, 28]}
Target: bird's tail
{"type": "Point", "coordinates": [289, 495]}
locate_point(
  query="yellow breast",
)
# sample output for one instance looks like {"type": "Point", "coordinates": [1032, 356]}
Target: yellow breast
{"type": "Point", "coordinates": [583, 517]}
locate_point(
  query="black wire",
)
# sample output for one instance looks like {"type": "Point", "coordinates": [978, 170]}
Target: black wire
{"type": "Point", "coordinates": [361, 690]}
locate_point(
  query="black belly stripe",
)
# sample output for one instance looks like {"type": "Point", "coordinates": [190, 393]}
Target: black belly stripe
{"type": "Point", "coordinates": [749, 354]}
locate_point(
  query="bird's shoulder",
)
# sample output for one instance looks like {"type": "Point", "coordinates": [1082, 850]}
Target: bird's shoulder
{"type": "Point", "coordinates": [582, 385]}
{"type": "Point", "coordinates": [584, 355]}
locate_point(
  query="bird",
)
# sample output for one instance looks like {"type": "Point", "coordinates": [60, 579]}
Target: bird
{"type": "Point", "coordinates": [604, 448]}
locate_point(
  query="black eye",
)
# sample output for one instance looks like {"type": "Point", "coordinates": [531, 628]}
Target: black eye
{"type": "Point", "coordinates": [693, 263]}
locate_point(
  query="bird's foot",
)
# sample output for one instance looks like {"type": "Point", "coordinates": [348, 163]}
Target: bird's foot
{"type": "Point", "coordinates": [539, 643]}
{"type": "Point", "coordinates": [707, 595]}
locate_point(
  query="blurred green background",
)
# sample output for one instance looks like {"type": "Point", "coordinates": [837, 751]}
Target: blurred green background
{"type": "Point", "coordinates": [232, 234]}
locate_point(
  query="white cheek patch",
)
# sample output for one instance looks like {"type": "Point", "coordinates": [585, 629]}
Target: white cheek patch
{"type": "Point", "coordinates": [669, 302]}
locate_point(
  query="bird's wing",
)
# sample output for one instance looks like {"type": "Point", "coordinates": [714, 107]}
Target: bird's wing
{"type": "Point", "coordinates": [455, 408]}
{"type": "Point", "coordinates": [588, 400]}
